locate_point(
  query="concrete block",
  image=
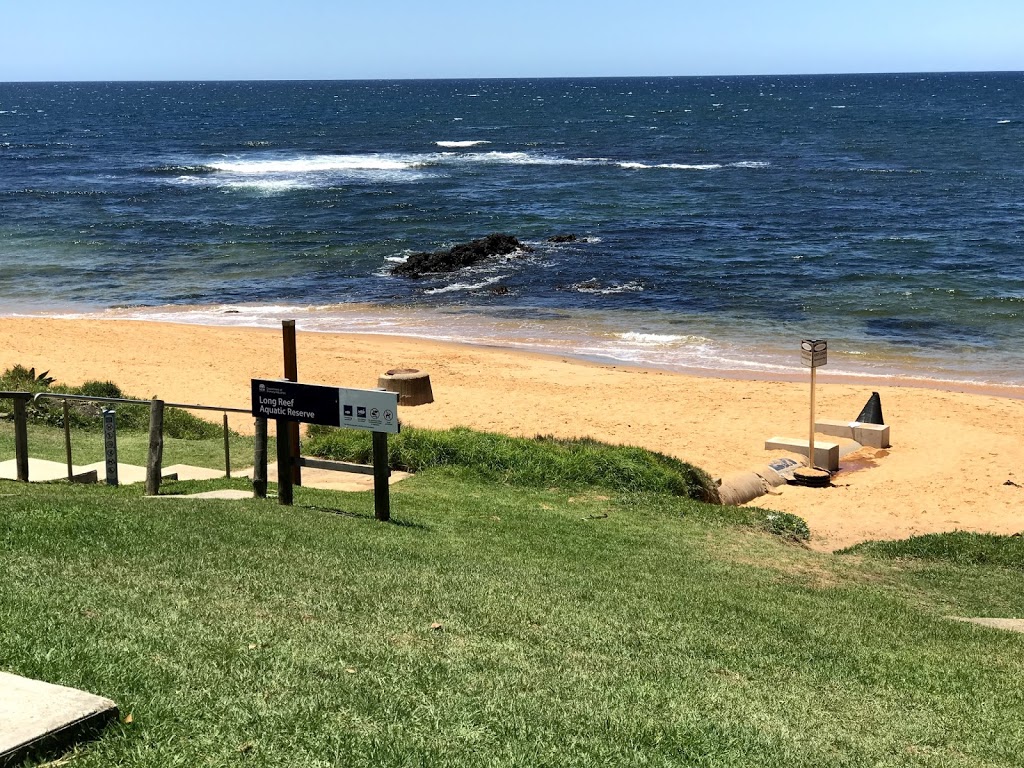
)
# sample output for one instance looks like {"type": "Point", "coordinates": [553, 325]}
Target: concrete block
{"type": "Point", "coordinates": [826, 455]}
{"type": "Point", "coordinates": [38, 718]}
{"type": "Point", "coordinates": [873, 435]}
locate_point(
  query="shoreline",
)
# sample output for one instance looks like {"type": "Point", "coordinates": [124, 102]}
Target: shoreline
{"type": "Point", "coordinates": [953, 451]}
{"type": "Point", "coordinates": [209, 315]}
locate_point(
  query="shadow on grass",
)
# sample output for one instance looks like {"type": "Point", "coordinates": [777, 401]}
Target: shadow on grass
{"type": "Point", "coordinates": [363, 516]}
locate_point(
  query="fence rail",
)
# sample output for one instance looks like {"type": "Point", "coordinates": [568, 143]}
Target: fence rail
{"type": "Point", "coordinates": [21, 400]}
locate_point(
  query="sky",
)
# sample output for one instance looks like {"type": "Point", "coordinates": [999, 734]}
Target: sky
{"type": "Point", "coordinates": [45, 40]}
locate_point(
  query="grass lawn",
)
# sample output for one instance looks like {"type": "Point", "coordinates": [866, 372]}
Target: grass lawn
{"type": "Point", "coordinates": [494, 625]}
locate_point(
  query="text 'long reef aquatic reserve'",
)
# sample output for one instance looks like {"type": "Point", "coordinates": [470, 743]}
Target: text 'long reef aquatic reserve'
{"type": "Point", "coordinates": [717, 221]}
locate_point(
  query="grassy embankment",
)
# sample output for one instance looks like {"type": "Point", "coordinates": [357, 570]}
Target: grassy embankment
{"type": "Point", "coordinates": [511, 615]}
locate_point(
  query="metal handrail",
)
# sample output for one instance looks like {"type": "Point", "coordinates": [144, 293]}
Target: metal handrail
{"type": "Point", "coordinates": [58, 396]}
{"type": "Point", "coordinates": [90, 398]}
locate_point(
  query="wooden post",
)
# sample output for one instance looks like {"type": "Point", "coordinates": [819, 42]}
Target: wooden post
{"type": "Point", "coordinates": [67, 441]}
{"type": "Point", "coordinates": [154, 462]}
{"type": "Point", "coordinates": [291, 373]}
{"type": "Point", "coordinates": [381, 472]}
{"type": "Point", "coordinates": [284, 464]}
{"type": "Point", "coordinates": [21, 436]}
{"type": "Point", "coordinates": [810, 440]}
{"type": "Point", "coordinates": [259, 460]}
{"type": "Point", "coordinates": [227, 450]}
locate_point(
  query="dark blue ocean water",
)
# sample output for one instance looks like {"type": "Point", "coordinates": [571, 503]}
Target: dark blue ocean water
{"type": "Point", "coordinates": [721, 219]}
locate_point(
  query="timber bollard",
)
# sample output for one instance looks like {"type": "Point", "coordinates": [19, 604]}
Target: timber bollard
{"type": "Point", "coordinates": [21, 436]}
{"type": "Point", "coordinates": [259, 460]}
{"type": "Point", "coordinates": [227, 449]}
{"type": "Point", "coordinates": [381, 471]}
{"type": "Point", "coordinates": [154, 462]}
{"type": "Point", "coordinates": [285, 490]}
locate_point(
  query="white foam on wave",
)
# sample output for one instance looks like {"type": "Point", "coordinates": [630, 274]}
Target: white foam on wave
{"type": "Point", "coordinates": [1003, 122]}
{"type": "Point", "coordinates": [690, 166]}
{"type": "Point", "coordinates": [321, 164]}
{"type": "Point", "coordinates": [751, 164]}
{"type": "Point", "coordinates": [519, 158]}
{"type": "Point", "coordinates": [454, 287]}
{"type": "Point", "coordinates": [593, 286]}
{"type": "Point", "coordinates": [267, 185]}
{"type": "Point", "coordinates": [635, 166]}
{"type": "Point", "coordinates": [660, 339]}
{"type": "Point", "coordinates": [460, 144]}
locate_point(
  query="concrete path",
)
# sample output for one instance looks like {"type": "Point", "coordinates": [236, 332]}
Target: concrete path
{"type": "Point", "coordinates": [330, 480]}
{"type": "Point", "coordinates": [39, 470]}
{"type": "Point", "coordinates": [38, 718]}
{"type": "Point", "coordinates": [43, 471]}
{"type": "Point", "coordinates": [1013, 625]}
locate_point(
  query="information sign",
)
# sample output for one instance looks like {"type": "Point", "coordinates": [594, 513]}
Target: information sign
{"type": "Point", "coordinates": [369, 409]}
{"type": "Point", "coordinates": [814, 352]}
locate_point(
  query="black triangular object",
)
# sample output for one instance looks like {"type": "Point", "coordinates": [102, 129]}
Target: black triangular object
{"type": "Point", "coordinates": [872, 411]}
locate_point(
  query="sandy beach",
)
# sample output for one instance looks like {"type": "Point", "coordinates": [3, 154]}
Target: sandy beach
{"type": "Point", "coordinates": [956, 461]}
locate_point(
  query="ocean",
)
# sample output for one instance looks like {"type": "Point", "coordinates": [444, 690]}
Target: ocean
{"type": "Point", "coordinates": [719, 221]}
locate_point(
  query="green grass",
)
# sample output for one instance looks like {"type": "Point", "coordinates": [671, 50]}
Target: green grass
{"type": "Point", "coordinates": [960, 547]}
{"type": "Point", "coordinates": [537, 463]}
{"type": "Point", "coordinates": [587, 628]}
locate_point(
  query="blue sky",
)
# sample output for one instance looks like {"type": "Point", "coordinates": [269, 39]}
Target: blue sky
{"type": "Point", "coordinates": [307, 39]}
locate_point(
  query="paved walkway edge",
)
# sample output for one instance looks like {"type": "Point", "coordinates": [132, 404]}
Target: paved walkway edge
{"type": "Point", "coordinates": [46, 719]}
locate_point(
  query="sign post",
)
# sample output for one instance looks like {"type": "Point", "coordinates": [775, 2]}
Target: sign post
{"type": "Point", "coordinates": [110, 444]}
{"type": "Point", "coordinates": [291, 403]}
{"type": "Point", "coordinates": [813, 353]}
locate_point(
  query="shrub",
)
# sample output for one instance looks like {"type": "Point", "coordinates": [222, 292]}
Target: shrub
{"type": "Point", "coordinates": [87, 415]}
{"type": "Point", "coordinates": [539, 462]}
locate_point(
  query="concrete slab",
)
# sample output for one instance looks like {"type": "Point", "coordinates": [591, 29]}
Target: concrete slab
{"type": "Point", "coordinates": [39, 470]}
{"type": "Point", "coordinates": [226, 493]}
{"type": "Point", "coordinates": [873, 435]}
{"type": "Point", "coordinates": [128, 474]}
{"type": "Point", "coordinates": [826, 455]}
{"type": "Point", "coordinates": [38, 717]}
{"type": "Point", "coordinates": [1012, 625]}
{"type": "Point", "coordinates": [189, 472]}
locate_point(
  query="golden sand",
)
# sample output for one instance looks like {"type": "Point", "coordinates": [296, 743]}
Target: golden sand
{"type": "Point", "coordinates": [951, 457]}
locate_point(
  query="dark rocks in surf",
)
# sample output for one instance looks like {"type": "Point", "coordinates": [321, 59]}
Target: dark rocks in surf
{"type": "Point", "coordinates": [563, 239]}
{"type": "Point", "coordinates": [459, 257]}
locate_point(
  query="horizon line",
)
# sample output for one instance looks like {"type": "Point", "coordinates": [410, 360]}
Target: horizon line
{"type": "Point", "coordinates": [513, 77]}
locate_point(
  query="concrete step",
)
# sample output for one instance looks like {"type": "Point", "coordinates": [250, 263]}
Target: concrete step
{"type": "Point", "coordinates": [874, 435]}
{"type": "Point", "coordinates": [826, 455]}
{"type": "Point", "coordinates": [38, 718]}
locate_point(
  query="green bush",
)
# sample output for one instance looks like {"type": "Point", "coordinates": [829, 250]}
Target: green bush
{"type": "Point", "coordinates": [540, 462]}
{"type": "Point", "coordinates": [86, 415]}
{"type": "Point", "coordinates": [787, 525]}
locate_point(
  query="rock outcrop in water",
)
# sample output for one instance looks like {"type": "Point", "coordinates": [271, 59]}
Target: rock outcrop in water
{"type": "Point", "coordinates": [462, 255]}
{"type": "Point", "coordinates": [563, 239]}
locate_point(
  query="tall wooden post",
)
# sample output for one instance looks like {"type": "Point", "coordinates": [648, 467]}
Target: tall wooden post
{"type": "Point", "coordinates": [381, 472]}
{"type": "Point", "coordinates": [810, 440]}
{"type": "Point", "coordinates": [227, 449]}
{"type": "Point", "coordinates": [67, 442]}
{"type": "Point", "coordinates": [155, 460]}
{"type": "Point", "coordinates": [21, 436]}
{"type": "Point", "coordinates": [285, 492]}
{"type": "Point", "coordinates": [291, 373]}
{"type": "Point", "coordinates": [259, 460]}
